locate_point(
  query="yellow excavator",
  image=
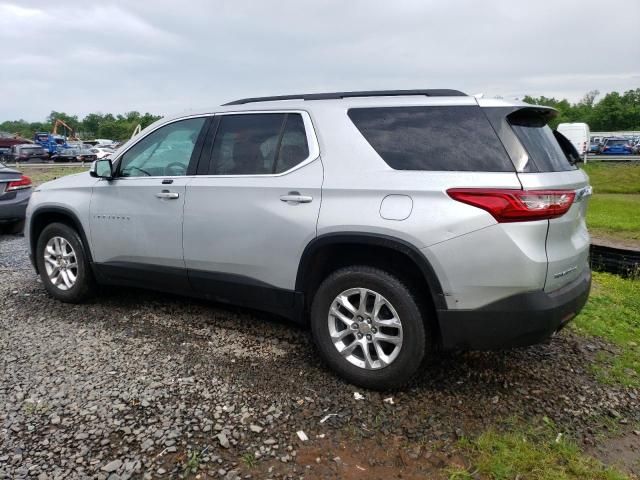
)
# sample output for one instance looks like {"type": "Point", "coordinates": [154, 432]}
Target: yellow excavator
{"type": "Point", "coordinates": [71, 135]}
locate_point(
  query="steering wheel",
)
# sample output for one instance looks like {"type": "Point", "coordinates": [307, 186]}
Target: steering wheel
{"type": "Point", "coordinates": [175, 169]}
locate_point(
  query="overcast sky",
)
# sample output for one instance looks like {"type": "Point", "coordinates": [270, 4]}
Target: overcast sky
{"type": "Point", "coordinates": [168, 56]}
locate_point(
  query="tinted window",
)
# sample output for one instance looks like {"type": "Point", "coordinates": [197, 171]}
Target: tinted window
{"type": "Point", "coordinates": [165, 152]}
{"type": "Point", "coordinates": [539, 142]}
{"type": "Point", "coordinates": [567, 148]}
{"type": "Point", "coordinates": [610, 143]}
{"type": "Point", "coordinates": [258, 144]}
{"type": "Point", "coordinates": [293, 147]}
{"type": "Point", "coordinates": [432, 138]}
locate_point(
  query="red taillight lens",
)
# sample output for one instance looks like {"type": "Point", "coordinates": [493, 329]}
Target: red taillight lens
{"type": "Point", "coordinates": [516, 205]}
{"type": "Point", "coordinates": [24, 182]}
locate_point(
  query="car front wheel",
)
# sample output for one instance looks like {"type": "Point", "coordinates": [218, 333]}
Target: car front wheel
{"type": "Point", "coordinates": [368, 327]}
{"type": "Point", "coordinates": [63, 264]}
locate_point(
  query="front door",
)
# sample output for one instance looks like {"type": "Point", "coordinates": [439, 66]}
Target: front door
{"type": "Point", "coordinates": [136, 218]}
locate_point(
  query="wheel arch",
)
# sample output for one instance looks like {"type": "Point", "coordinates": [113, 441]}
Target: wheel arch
{"type": "Point", "coordinates": [325, 254]}
{"type": "Point", "coordinates": [44, 216]}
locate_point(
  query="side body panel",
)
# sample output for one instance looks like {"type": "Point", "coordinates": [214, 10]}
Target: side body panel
{"type": "Point", "coordinates": [240, 226]}
{"type": "Point", "coordinates": [67, 194]}
{"type": "Point", "coordinates": [129, 223]}
{"type": "Point", "coordinates": [476, 260]}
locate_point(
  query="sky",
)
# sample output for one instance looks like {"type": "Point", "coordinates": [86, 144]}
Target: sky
{"type": "Point", "coordinates": [171, 56]}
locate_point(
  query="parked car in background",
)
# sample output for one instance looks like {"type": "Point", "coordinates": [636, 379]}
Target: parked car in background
{"type": "Point", "coordinates": [578, 134]}
{"type": "Point", "coordinates": [74, 155]}
{"type": "Point", "coordinates": [616, 146]}
{"type": "Point", "coordinates": [15, 190]}
{"type": "Point", "coordinates": [8, 140]}
{"type": "Point", "coordinates": [594, 147]}
{"type": "Point", "coordinates": [30, 152]}
{"type": "Point", "coordinates": [102, 152]}
{"type": "Point", "coordinates": [356, 213]}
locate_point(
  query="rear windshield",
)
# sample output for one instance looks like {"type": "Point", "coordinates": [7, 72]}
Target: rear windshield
{"type": "Point", "coordinates": [539, 142]}
{"type": "Point", "coordinates": [432, 138]}
{"type": "Point", "coordinates": [616, 142]}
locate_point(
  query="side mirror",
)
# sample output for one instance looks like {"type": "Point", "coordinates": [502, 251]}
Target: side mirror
{"type": "Point", "coordinates": [102, 168]}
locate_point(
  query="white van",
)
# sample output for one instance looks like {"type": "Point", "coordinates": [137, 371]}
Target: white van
{"type": "Point", "coordinates": [578, 134]}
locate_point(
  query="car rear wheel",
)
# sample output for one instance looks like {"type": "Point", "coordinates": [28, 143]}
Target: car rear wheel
{"type": "Point", "coordinates": [368, 327]}
{"type": "Point", "coordinates": [63, 264]}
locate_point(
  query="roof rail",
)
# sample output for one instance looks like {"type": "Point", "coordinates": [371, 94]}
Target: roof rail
{"type": "Point", "coordinates": [437, 92]}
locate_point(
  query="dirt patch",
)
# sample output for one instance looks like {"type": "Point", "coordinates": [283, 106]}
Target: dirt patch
{"type": "Point", "coordinates": [615, 242]}
{"type": "Point", "coordinates": [367, 458]}
{"type": "Point", "coordinates": [621, 451]}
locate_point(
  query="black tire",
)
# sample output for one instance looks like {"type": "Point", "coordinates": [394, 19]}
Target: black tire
{"type": "Point", "coordinates": [85, 285]}
{"type": "Point", "coordinates": [416, 335]}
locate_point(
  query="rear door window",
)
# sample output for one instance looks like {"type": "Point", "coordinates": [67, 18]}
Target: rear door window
{"type": "Point", "coordinates": [258, 144]}
{"type": "Point", "coordinates": [432, 138]}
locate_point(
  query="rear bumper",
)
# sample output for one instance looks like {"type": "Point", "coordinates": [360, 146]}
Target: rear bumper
{"type": "Point", "coordinates": [516, 321]}
{"type": "Point", "coordinates": [14, 209]}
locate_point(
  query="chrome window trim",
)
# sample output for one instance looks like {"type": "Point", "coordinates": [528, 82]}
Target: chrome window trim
{"type": "Point", "coordinates": [312, 142]}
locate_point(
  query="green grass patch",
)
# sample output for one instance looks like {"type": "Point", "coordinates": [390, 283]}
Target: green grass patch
{"type": "Point", "coordinates": [608, 177]}
{"type": "Point", "coordinates": [40, 175]}
{"type": "Point", "coordinates": [540, 453]}
{"type": "Point", "coordinates": [613, 313]}
{"type": "Point", "coordinates": [615, 215]}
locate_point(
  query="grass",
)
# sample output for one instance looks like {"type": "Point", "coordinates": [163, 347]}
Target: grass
{"type": "Point", "coordinates": [540, 453]}
{"type": "Point", "coordinates": [614, 209]}
{"type": "Point", "coordinates": [608, 177]}
{"type": "Point", "coordinates": [193, 463]}
{"type": "Point", "coordinates": [615, 215]}
{"type": "Point", "coordinates": [249, 459]}
{"type": "Point", "coordinates": [613, 313]}
{"type": "Point", "coordinates": [40, 175]}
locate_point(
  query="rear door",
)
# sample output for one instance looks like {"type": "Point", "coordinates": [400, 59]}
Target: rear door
{"type": "Point", "coordinates": [547, 168]}
{"type": "Point", "coordinates": [253, 208]}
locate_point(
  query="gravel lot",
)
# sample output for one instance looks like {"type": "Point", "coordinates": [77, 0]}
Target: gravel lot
{"type": "Point", "coordinates": [144, 385]}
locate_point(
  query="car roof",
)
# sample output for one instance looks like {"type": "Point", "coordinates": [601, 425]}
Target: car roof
{"type": "Point", "coordinates": [341, 100]}
{"type": "Point", "coordinates": [439, 92]}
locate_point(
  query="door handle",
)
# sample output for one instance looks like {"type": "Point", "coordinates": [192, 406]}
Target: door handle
{"type": "Point", "coordinates": [295, 197]}
{"type": "Point", "coordinates": [167, 194]}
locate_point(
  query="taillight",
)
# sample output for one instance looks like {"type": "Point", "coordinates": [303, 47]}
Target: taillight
{"type": "Point", "coordinates": [24, 182]}
{"type": "Point", "coordinates": [516, 205]}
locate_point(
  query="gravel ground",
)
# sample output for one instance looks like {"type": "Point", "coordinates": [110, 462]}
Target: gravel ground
{"type": "Point", "coordinates": [144, 385]}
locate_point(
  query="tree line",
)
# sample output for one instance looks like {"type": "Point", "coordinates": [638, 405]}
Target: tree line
{"type": "Point", "coordinates": [614, 111]}
{"type": "Point", "coordinates": [94, 125]}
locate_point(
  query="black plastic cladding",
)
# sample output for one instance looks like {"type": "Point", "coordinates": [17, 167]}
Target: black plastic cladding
{"type": "Point", "coordinates": [436, 92]}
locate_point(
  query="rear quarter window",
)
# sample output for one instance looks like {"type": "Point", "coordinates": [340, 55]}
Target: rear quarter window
{"type": "Point", "coordinates": [539, 141]}
{"type": "Point", "coordinates": [440, 138]}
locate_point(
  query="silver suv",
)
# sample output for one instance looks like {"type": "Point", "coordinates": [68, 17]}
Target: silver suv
{"type": "Point", "coordinates": [394, 223]}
